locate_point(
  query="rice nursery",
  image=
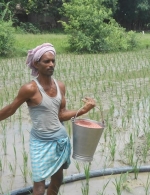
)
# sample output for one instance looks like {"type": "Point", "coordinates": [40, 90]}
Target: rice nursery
{"type": "Point", "coordinates": [120, 83]}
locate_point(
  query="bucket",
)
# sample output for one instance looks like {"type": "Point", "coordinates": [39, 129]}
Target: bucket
{"type": "Point", "coordinates": [85, 139]}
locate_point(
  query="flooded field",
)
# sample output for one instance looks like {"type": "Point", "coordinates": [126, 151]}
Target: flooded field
{"type": "Point", "coordinates": [120, 84]}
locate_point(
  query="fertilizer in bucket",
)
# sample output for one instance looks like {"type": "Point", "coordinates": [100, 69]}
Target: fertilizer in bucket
{"type": "Point", "coordinates": [86, 135]}
{"type": "Point", "coordinates": [88, 124]}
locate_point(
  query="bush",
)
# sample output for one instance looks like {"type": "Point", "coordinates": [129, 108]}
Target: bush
{"type": "Point", "coordinates": [7, 38]}
{"type": "Point", "coordinates": [92, 28]}
{"type": "Point", "coordinates": [28, 27]}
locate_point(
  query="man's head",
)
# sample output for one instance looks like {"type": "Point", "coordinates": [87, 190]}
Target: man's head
{"type": "Point", "coordinates": [35, 55]}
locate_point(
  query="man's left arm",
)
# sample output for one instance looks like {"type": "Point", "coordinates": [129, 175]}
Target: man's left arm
{"type": "Point", "coordinates": [65, 114]}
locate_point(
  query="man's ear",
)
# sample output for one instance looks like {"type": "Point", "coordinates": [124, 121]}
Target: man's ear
{"type": "Point", "coordinates": [36, 64]}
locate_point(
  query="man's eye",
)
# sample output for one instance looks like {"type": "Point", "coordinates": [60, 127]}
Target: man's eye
{"type": "Point", "coordinates": [48, 61]}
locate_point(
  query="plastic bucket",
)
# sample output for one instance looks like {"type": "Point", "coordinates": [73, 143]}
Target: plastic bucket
{"type": "Point", "coordinates": [85, 139]}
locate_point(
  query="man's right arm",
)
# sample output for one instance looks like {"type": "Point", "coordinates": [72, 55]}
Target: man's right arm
{"type": "Point", "coordinates": [24, 94]}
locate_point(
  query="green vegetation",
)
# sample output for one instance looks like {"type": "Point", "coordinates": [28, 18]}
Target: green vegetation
{"type": "Point", "coordinates": [92, 28]}
{"type": "Point", "coordinates": [144, 40]}
{"type": "Point", "coordinates": [119, 82]}
{"type": "Point", "coordinates": [24, 42]}
{"type": "Point", "coordinates": [6, 38]}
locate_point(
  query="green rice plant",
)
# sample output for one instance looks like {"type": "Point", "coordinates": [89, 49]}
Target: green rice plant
{"type": "Point", "coordinates": [24, 169]}
{"type": "Point", "coordinates": [112, 146]}
{"type": "Point", "coordinates": [77, 166]}
{"type": "Point", "coordinates": [146, 146]}
{"type": "Point", "coordinates": [30, 174]}
{"type": "Point", "coordinates": [147, 185]}
{"type": "Point", "coordinates": [87, 172]}
{"type": "Point", "coordinates": [4, 145]}
{"type": "Point", "coordinates": [111, 110]}
{"type": "Point", "coordinates": [1, 101]}
{"type": "Point", "coordinates": [104, 187]}
{"type": "Point", "coordinates": [109, 126]}
{"type": "Point", "coordinates": [1, 166]}
{"type": "Point", "coordinates": [120, 183]}
{"type": "Point", "coordinates": [85, 189]}
{"type": "Point", "coordinates": [23, 143]}
{"type": "Point", "coordinates": [15, 153]}
{"type": "Point", "coordinates": [145, 149]}
{"type": "Point", "coordinates": [101, 112]}
{"type": "Point", "coordinates": [105, 134]}
{"type": "Point", "coordinates": [129, 150]}
{"type": "Point", "coordinates": [135, 169]}
{"type": "Point", "coordinates": [12, 169]}
{"type": "Point", "coordinates": [3, 125]}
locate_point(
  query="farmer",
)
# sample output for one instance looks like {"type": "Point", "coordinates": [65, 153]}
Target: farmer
{"type": "Point", "coordinates": [45, 97]}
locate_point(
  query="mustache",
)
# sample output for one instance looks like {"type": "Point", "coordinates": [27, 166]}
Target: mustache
{"type": "Point", "coordinates": [51, 68]}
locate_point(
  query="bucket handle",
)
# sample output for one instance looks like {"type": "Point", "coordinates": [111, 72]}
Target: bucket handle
{"type": "Point", "coordinates": [73, 118]}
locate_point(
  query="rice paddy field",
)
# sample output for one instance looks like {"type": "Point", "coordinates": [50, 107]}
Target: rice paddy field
{"type": "Point", "coordinates": [120, 84]}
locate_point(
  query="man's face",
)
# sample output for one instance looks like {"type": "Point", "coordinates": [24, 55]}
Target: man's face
{"type": "Point", "coordinates": [46, 64]}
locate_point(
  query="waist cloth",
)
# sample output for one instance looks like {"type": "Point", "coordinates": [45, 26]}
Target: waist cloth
{"type": "Point", "coordinates": [47, 157]}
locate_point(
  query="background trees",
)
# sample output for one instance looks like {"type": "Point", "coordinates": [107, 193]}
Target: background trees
{"type": "Point", "coordinates": [132, 15]}
{"type": "Point", "coordinates": [92, 28]}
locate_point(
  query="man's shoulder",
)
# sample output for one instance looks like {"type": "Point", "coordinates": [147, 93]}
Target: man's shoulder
{"type": "Point", "coordinates": [61, 85]}
{"type": "Point", "coordinates": [29, 87]}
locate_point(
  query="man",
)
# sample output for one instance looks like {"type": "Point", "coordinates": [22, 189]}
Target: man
{"type": "Point", "coordinates": [45, 98]}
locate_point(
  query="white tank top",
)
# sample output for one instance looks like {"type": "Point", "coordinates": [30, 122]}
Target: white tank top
{"type": "Point", "coordinates": [45, 121]}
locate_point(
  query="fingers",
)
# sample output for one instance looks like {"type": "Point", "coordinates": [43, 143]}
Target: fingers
{"type": "Point", "coordinates": [89, 100]}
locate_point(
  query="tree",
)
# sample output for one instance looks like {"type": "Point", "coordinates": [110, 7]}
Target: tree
{"type": "Point", "coordinates": [92, 28]}
{"type": "Point", "coordinates": [112, 4]}
{"type": "Point", "coordinates": [46, 7]}
{"type": "Point", "coordinates": [133, 14]}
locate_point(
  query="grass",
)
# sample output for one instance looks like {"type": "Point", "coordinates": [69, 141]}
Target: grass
{"type": "Point", "coordinates": [144, 40]}
{"type": "Point", "coordinates": [25, 42]}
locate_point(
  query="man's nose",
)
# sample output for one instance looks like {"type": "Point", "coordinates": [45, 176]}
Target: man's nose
{"type": "Point", "coordinates": [51, 63]}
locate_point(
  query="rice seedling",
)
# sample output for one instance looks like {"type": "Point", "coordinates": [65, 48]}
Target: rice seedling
{"type": "Point", "coordinates": [135, 169]}
{"type": "Point", "coordinates": [77, 166]}
{"type": "Point", "coordinates": [85, 189]}
{"type": "Point", "coordinates": [4, 145]}
{"type": "Point", "coordinates": [147, 185]}
{"type": "Point", "coordinates": [12, 168]}
{"type": "Point", "coordinates": [1, 166]}
{"type": "Point", "coordinates": [87, 172]}
{"type": "Point", "coordinates": [112, 146]}
{"type": "Point", "coordinates": [103, 189]}
{"type": "Point", "coordinates": [129, 151]}
{"type": "Point", "coordinates": [120, 183]}
{"type": "Point", "coordinates": [24, 169]}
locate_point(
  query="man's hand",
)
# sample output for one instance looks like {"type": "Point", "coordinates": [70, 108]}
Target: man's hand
{"type": "Point", "coordinates": [89, 104]}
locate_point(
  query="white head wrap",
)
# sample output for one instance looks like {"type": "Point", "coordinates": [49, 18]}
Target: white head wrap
{"type": "Point", "coordinates": [35, 54]}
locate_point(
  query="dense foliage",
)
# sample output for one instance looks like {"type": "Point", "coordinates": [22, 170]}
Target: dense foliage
{"type": "Point", "coordinates": [92, 28]}
{"type": "Point", "coordinates": [133, 14]}
{"type": "Point", "coordinates": [6, 38]}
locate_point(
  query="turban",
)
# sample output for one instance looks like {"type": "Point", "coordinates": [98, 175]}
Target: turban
{"type": "Point", "coordinates": [35, 54]}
